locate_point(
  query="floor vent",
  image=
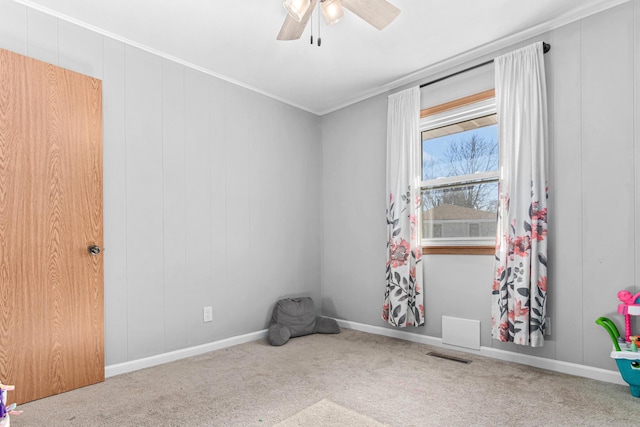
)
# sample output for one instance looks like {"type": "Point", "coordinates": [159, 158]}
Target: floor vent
{"type": "Point", "coordinates": [446, 356]}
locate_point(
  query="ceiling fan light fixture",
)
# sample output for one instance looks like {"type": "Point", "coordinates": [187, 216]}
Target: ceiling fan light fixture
{"type": "Point", "coordinates": [296, 8]}
{"type": "Point", "coordinates": [332, 11]}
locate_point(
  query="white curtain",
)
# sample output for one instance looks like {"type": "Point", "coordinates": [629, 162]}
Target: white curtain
{"type": "Point", "coordinates": [403, 299]}
{"type": "Point", "coordinates": [520, 280]}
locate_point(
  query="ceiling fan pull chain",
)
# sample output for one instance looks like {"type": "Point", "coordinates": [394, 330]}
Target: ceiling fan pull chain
{"type": "Point", "coordinates": [311, 27]}
{"type": "Point", "coordinates": [319, 38]}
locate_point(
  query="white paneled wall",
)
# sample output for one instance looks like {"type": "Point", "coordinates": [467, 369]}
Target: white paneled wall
{"type": "Point", "coordinates": [593, 83]}
{"type": "Point", "coordinates": [174, 205]}
{"type": "Point", "coordinates": [354, 232]}
{"type": "Point", "coordinates": [197, 207]}
{"type": "Point", "coordinates": [13, 26]}
{"type": "Point", "coordinates": [215, 195]}
{"type": "Point", "coordinates": [42, 37]}
{"type": "Point", "coordinates": [211, 191]}
{"type": "Point", "coordinates": [73, 39]}
{"type": "Point", "coordinates": [144, 189]}
{"type": "Point", "coordinates": [608, 195]}
{"type": "Point", "coordinates": [565, 132]}
{"type": "Point", "coordinates": [114, 159]}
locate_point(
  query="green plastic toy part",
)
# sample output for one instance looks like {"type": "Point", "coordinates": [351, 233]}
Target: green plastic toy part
{"type": "Point", "coordinates": [611, 329]}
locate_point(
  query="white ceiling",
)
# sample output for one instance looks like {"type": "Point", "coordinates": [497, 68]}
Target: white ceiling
{"type": "Point", "coordinates": [236, 40]}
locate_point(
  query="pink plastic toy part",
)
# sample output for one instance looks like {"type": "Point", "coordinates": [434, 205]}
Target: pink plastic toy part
{"type": "Point", "coordinates": [630, 307]}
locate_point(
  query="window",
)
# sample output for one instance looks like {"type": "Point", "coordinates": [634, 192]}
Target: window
{"type": "Point", "coordinates": [459, 146]}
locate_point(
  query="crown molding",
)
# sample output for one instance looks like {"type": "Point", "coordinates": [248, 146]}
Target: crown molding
{"type": "Point", "coordinates": [421, 74]}
{"type": "Point", "coordinates": [156, 52]}
{"type": "Point", "coordinates": [483, 52]}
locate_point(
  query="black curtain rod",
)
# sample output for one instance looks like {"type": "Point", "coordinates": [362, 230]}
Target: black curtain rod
{"type": "Point", "coordinates": [546, 47]}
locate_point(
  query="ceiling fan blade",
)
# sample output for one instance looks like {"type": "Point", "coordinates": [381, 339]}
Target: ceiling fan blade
{"type": "Point", "coordinates": [292, 29]}
{"type": "Point", "coordinates": [378, 13]}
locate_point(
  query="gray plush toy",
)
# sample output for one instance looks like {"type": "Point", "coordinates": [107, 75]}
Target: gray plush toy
{"type": "Point", "coordinates": [295, 317]}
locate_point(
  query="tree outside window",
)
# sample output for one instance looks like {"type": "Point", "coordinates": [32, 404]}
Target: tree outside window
{"type": "Point", "coordinates": [459, 178]}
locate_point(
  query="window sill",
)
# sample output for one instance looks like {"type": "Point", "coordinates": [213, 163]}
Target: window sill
{"type": "Point", "coordinates": [458, 250]}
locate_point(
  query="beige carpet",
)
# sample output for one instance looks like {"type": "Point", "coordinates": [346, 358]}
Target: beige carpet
{"type": "Point", "coordinates": [391, 381]}
{"type": "Point", "coordinates": [328, 414]}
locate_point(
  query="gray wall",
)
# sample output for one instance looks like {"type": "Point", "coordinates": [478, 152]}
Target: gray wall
{"type": "Point", "coordinates": [593, 83]}
{"type": "Point", "coordinates": [210, 192]}
{"type": "Point", "coordinates": [215, 195]}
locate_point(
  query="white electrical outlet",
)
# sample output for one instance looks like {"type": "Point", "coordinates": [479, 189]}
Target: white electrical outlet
{"type": "Point", "coordinates": [207, 314]}
{"type": "Point", "coordinates": [547, 325]}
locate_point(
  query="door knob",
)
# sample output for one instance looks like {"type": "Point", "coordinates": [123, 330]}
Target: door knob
{"type": "Point", "coordinates": [94, 249]}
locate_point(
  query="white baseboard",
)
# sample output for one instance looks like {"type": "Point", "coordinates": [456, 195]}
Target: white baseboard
{"type": "Point", "coordinates": [147, 362]}
{"type": "Point", "coordinates": [538, 362]}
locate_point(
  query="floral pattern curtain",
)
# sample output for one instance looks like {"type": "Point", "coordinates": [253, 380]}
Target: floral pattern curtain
{"type": "Point", "coordinates": [403, 298]}
{"type": "Point", "coordinates": [520, 280]}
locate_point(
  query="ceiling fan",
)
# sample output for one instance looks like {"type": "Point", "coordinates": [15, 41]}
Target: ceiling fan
{"type": "Point", "coordinates": [378, 13]}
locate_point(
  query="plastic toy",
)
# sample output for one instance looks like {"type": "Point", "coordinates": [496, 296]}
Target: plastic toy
{"type": "Point", "coordinates": [625, 350]}
{"type": "Point", "coordinates": [5, 410]}
{"type": "Point", "coordinates": [628, 361]}
{"type": "Point", "coordinates": [629, 307]}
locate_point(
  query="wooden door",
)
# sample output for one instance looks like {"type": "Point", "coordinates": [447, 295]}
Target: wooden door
{"type": "Point", "coordinates": [51, 287]}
